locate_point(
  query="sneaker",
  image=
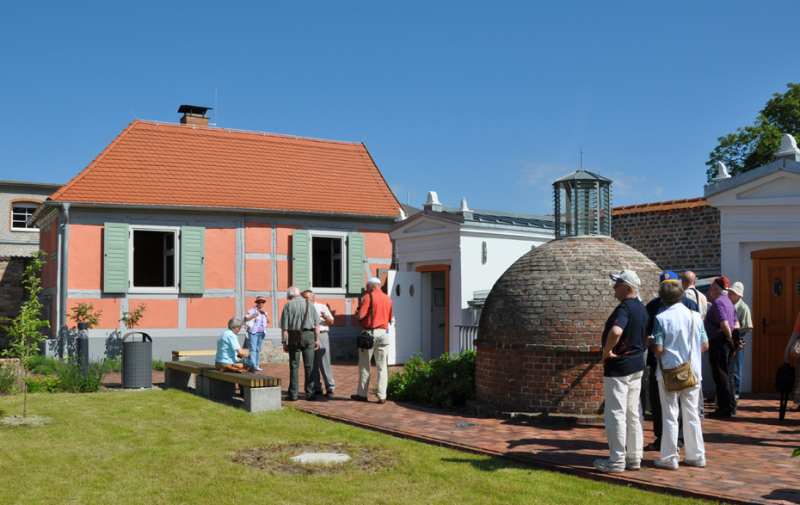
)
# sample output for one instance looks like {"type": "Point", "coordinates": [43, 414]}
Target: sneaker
{"type": "Point", "coordinates": [608, 466]}
{"type": "Point", "coordinates": [699, 463]}
{"type": "Point", "coordinates": [633, 464]}
{"type": "Point", "coordinates": [670, 464]}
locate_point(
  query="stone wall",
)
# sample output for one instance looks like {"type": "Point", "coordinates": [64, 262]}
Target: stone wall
{"type": "Point", "coordinates": [677, 235]}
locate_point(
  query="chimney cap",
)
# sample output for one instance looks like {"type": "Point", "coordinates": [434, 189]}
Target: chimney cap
{"type": "Point", "coordinates": [194, 110]}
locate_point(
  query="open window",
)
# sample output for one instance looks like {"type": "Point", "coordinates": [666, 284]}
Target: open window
{"type": "Point", "coordinates": [153, 259]}
{"type": "Point", "coordinates": [21, 211]}
{"type": "Point", "coordinates": [328, 261]}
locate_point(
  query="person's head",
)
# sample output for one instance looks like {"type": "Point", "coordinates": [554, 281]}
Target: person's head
{"type": "Point", "coordinates": [718, 288]}
{"type": "Point", "coordinates": [373, 284]}
{"type": "Point", "coordinates": [736, 291]}
{"type": "Point", "coordinates": [292, 292]}
{"type": "Point", "coordinates": [260, 301]}
{"type": "Point", "coordinates": [668, 289]}
{"type": "Point", "coordinates": [689, 279]}
{"type": "Point", "coordinates": [235, 324]}
{"type": "Point", "coordinates": [626, 284]}
{"type": "Point", "coordinates": [309, 295]}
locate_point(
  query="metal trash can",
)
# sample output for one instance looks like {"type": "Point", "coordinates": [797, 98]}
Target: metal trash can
{"type": "Point", "coordinates": [137, 361]}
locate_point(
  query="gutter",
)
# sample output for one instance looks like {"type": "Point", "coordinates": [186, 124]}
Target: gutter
{"type": "Point", "coordinates": [63, 265]}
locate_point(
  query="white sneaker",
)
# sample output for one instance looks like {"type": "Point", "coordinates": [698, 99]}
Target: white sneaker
{"type": "Point", "coordinates": [669, 464]}
{"type": "Point", "coordinates": [699, 463]}
{"type": "Point", "coordinates": [608, 466]}
{"type": "Point", "coordinates": [633, 464]}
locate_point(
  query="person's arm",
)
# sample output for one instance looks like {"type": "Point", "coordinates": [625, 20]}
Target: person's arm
{"type": "Point", "coordinates": [792, 339]}
{"type": "Point", "coordinates": [250, 318]}
{"type": "Point", "coordinates": [726, 330]}
{"type": "Point", "coordinates": [326, 316]}
{"type": "Point", "coordinates": [316, 337]}
{"type": "Point", "coordinates": [285, 340]}
{"type": "Point", "coordinates": [242, 353]}
{"type": "Point", "coordinates": [613, 339]}
{"type": "Point", "coordinates": [657, 349]}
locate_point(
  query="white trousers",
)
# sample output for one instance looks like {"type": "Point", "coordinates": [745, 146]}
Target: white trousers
{"type": "Point", "coordinates": [381, 352]}
{"type": "Point", "coordinates": [692, 429]}
{"type": "Point", "coordinates": [623, 428]}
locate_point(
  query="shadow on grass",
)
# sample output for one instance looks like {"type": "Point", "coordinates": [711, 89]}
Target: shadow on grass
{"type": "Point", "coordinates": [487, 465]}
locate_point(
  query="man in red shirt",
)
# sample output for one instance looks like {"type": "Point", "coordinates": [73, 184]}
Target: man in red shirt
{"type": "Point", "coordinates": [374, 312]}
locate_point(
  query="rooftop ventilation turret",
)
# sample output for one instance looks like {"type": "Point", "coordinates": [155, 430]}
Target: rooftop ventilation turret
{"type": "Point", "coordinates": [582, 205]}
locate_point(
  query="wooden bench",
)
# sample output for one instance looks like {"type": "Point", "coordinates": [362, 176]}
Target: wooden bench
{"type": "Point", "coordinates": [184, 355]}
{"type": "Point", "coordinates": [261, 392]}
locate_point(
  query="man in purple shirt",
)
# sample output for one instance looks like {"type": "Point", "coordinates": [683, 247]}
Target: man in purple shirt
{"type": "Point", "coordinates": [720, 320]}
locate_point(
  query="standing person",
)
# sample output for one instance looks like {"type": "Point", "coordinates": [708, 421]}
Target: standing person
{"type": "Point", "coordinates": [623, 356]}
{"type": "Point", "coordinates": [689, 280]}
{"type": "Point", "coordinates": [792, 339]}
{"type": "Point", "coordinates": [322, 356]}
{"type": "Point", "coordinates": [299, 316]}
{"type": "Point", "coordinates": [656, 306]}
{"type": "Point", "coordinates": [719, 323]}
{"type": "Point", "coordinates": [735, 293]}
{"type": "Point", "coordinates": [258, 331]}
{"type": "Point", "coordinates": [374, 312]}
{"type": "Point", "coordinates": [679, 337]}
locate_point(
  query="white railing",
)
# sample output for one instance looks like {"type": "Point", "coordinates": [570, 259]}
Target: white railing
{"type": "Point", "coordinates": [466, 336]}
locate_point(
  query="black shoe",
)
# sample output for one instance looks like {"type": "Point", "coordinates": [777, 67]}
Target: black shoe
{"type": "Point", "coordinates": [289, 399]}
{"type": "Point", "coordinates": [312, 398]}
{"type": "Point", "coordinates": [653, 446]}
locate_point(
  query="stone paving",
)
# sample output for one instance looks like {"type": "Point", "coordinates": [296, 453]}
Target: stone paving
{"type": "Point", "coordinates": [747, 457]}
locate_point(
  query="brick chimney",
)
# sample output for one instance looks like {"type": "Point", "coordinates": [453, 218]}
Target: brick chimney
{"type": "Point", "coordinates": [193, 115]}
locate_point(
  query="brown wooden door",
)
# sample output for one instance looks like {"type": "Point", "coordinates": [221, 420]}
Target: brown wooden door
{"type": "Point", "coordinates": [776, 302]}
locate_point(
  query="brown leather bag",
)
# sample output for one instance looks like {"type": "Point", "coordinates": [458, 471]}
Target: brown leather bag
{"type": "Point", "coordinates": [296, 336]}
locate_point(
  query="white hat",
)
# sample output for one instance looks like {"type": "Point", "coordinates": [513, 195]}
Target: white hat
{"type": "Point", "coordinates": [738, 288]}
{"type": "Point", "coordinates": [629, 277]}
{"type": "Point", "coordinates": [374, 280]}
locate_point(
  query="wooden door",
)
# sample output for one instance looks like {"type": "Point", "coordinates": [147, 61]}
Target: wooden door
{"type": "Point", "coordinates": [776, 302]}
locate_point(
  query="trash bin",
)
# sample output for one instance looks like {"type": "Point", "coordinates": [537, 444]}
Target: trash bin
{"type": "Point", "coordinates": [137, 361]}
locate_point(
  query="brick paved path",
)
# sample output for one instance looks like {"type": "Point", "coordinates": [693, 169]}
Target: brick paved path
{"type": "Point", "coordinates": [747, 457]}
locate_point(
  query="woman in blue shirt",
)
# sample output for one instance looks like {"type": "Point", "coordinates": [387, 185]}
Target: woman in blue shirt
{"type": "Point", "coordinates": [229, 352]}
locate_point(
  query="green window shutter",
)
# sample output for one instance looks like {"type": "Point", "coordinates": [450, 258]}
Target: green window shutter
{"type": "Point", "coordinates": [301, 259]}
{"type": "Point", "coordinates": [193, 260]}
{"type": "Point", "coordinates": [115, 257]}
{"type": "Point", "coordinates": [355, 262]}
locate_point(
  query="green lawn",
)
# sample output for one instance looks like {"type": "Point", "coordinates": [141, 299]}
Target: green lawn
{"type": "Point", "coordinates": [172, 447]}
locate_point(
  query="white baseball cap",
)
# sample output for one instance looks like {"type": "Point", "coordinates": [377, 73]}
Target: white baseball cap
{"type": "Point", "coordinates": [629, 277]}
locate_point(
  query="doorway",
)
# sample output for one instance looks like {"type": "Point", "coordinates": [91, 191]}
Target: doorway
{"type": "Point", "coordinates": [435, 310]}
{"type": "Point", "coordinates": [776, 302]}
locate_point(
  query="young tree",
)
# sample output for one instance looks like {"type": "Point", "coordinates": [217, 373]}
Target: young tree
{"type": "Point", "coordinates": [753, 146]}
{"type": "Point", "coordinates": [25, 331]}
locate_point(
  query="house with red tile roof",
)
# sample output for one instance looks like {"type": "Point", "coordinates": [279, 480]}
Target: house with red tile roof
{"type": "Point", "coordinates": [194, 222]}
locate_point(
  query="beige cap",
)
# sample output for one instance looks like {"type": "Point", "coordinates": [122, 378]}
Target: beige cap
{"type": "Point", "coordinates": [738, 288]}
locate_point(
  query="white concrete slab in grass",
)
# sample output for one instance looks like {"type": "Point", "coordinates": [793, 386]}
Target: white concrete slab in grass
{"type": "Point", "coordinates": [321, 457]}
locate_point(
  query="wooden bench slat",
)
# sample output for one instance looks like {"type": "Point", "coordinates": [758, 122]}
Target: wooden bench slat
{"type": "Point", "coordinates": [197, 352]}
{"type": "Point", "coordinates": [188, 366]}
{"type": "Point", "coordinates": [245, 379]}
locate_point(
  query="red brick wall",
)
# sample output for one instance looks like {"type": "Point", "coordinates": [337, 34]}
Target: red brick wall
{"type": "Point", "coordinates": [675, 239]}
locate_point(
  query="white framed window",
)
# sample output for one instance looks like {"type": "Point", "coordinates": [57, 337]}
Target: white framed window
{"type": "Point", "coordinates": [154, 254]}
{"type": "Point", "coordinates": [328, 255]}
{"type": "Point", "coordinates": [20, 213]}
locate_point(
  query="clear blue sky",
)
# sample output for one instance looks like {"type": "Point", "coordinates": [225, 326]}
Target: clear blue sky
{"type": "Point", "coordinates": [485, 100]}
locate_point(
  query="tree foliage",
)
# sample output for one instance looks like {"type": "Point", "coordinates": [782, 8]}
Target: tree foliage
{"type": "Point", "coordinates": [752, 146]}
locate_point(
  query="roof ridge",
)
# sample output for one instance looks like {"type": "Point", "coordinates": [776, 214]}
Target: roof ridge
{"type": "Point", "coordinates": [655, 204]}
{"type": "Point", "coordinates": [370, 165]}
{"type": "Point", "coordinates": [94, 162]}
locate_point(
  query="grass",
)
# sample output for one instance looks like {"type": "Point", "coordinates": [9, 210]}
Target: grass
{"type": "Point", "coordinates": [173, 447]}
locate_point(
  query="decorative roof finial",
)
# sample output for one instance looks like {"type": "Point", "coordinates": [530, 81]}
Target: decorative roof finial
{"type": "Point", "coordinates": [722, 172]}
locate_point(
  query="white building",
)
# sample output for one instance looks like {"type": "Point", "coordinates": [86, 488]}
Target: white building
{"type": "Point", "coordinates": [445, 256]}
{"type": "Point", "coordinates": [760, 246]}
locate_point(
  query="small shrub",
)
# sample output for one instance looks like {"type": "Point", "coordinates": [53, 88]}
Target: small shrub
{"type": "Point", "coordinates": [42, 384]}
{"type": "Point", "coordinates": [69, 376]}
{"type": "Point", "coordinates": [93, 380]}
{"type": "Point", "coordinates": [445, 381]}
{"type": "Point", "coordinates": [8, 376]}
{"type": "Point", "coordinates": [41, 365]}
{"type": "Point", "coordinates": [158, 365]}
{"type": "Point", "coordinates": [113, 364]}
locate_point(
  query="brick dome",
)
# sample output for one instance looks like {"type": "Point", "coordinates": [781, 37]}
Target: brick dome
{"type": "Point", "coordinates": [540, 329]}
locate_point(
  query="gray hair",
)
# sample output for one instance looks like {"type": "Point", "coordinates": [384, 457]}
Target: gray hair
{"type": "Point", "coordinates": [235, 322]}
{"type": "Point", "coordinates": [293, 291]}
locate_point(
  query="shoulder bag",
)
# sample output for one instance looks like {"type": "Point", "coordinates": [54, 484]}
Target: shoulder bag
{"type": "Point", "coordinates": [249, 324]}
{"type": "Point", "coordinates": [365, 339]}
{"type": "Point", "coordinates": [296, 336]}
{"type": "Point", "coordinates": [784, 384]}
{"type": "Point", "coordinates": [682, 376]}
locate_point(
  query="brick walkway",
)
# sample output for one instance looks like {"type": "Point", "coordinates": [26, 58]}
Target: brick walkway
{"type": "Point", "coordinates": [747, 457]}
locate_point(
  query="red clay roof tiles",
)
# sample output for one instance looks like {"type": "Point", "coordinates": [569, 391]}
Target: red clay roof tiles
{"type": "Point", "coordinates": [180, 165]}
{"type": "Point", "coordinates": [686, 203]}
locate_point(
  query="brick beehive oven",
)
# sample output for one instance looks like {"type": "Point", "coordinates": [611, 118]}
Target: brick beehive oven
{"type": "Point", "coordinates": [539, 337]}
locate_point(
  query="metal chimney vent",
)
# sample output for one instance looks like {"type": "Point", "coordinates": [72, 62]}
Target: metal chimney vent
{"type": "Point", "coordinates": [582, 205]}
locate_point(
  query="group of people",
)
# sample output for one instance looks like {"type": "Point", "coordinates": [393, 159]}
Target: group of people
{"type": "Point", "coordinates": [310, 323]}
{"type": "Point", "coordinates": [673, 329]}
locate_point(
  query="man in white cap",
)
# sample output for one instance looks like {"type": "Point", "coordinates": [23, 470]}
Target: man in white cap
{"type": "Point", "coordinates": [624, 340]}
{"type": "Point", "coordinates": [735, 293]}
{"type": "Point", "coordinates": [374, 312]}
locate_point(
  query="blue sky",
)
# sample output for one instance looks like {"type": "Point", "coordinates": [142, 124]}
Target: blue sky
{"type": "Point", "coordinates": [485, 100]}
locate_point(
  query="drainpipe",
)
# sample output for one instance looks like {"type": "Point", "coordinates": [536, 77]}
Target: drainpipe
{"type": "Point", "coordinates": [62, 313]}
